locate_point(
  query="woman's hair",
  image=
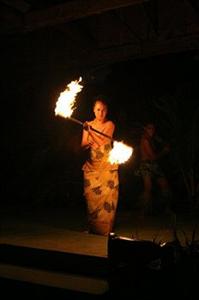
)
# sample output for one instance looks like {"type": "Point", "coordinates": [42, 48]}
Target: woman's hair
{"type": "Point", "coordinates": [100, 98]}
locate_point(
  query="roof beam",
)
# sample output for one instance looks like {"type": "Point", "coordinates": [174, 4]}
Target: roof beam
{"type": "Point", "coordinates": [146, 49]}
{"type": "Point", "coordinates": [19, 5]}
{"type": "Point", "coordinates": [66, 12]}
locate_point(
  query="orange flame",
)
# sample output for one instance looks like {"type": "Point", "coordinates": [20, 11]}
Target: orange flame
{"type": "Point", "coordinates": [120, 153]}
{"type": "Point", "coordinates": [66, 102]}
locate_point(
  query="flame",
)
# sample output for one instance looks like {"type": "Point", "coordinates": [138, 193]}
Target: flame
{"type": "Point", "coordinates": [66, 102]}
{"type": "Point", "coordinates": [120, 153]}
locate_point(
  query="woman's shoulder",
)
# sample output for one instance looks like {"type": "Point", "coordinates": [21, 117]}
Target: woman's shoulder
{"type": "Point", "coordinates": [110, 123]}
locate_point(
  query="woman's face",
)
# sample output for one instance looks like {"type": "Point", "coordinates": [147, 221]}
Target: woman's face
{"type": "Point", "coordinates": [100, 111]}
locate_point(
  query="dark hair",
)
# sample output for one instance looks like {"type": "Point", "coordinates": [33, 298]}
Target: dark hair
{"type": "Point", "coordinates": [149, 121]}
{"type": "Point", "coordinates": [100, 98]}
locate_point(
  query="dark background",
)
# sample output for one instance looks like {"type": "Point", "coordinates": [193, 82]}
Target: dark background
{"type": "Point", "coordinates": [41, 158]}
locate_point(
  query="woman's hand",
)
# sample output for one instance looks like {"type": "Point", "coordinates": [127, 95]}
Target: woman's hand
{"type": "Point", "coordinates": [86, 126]}
{"type": "Point", "coordinates": [88, 140]}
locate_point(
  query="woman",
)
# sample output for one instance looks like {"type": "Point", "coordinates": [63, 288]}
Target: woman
{"type": "Point", "coordinates": [100, 176]}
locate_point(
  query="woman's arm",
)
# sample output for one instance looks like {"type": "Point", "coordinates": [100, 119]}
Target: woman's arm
{"type": "Point", "coordinates": [107, 129]}
{"type": "Point", "coordinates": [93, 139]}
{"type": "Point", "coordinates": [110, 128]}
{"type": "Point", "coordinates": [88, 137]}
{"type": "Point", "coordinates": [85, 144]}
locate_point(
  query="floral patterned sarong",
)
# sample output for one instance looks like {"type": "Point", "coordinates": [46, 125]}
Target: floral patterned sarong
{"type": "Point", "coordinates": [101, 189]}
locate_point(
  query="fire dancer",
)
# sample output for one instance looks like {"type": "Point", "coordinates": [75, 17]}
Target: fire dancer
{"type": "Point", "coordinates": [101, 183]}
{"type": "Point", "coordinates": [150, 171]}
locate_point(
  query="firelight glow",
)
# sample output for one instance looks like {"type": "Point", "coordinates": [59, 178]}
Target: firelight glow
{"type": "Point", "coordinates": [66, 102]}
{"type": "Point", "coordinates": [120, 153]}
{"type": "Point", "coordinates": [65, 107]}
